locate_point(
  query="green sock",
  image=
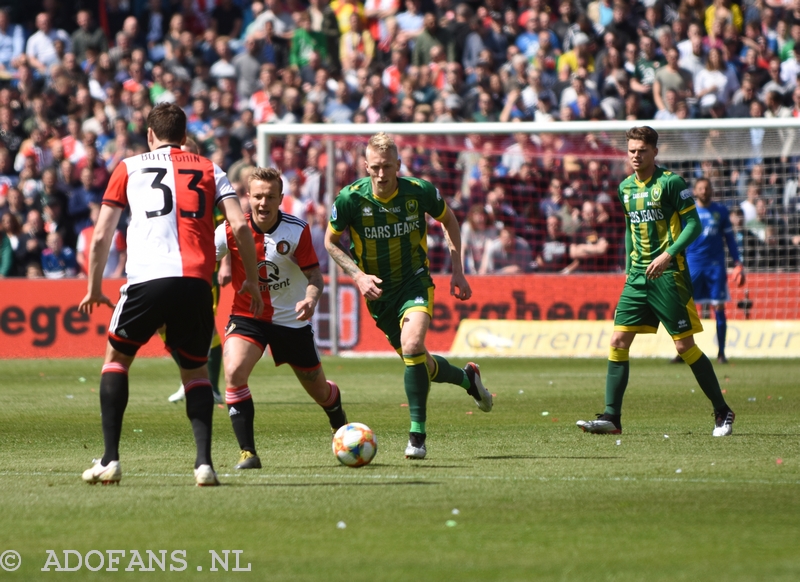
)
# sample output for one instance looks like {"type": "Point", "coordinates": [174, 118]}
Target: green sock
{"type": "Point", "coordinates": [616, 380]}
{"type": "Point", "coordinates": [417, 384]}
{"type": "Point", "coordinates": [447, 373]}
{"type": "Point", "coordinates": [703, 371]}
{"type": "Point", "coordinates": [214, 366]}
{"type": "Point", "coordinates": [417, 427]}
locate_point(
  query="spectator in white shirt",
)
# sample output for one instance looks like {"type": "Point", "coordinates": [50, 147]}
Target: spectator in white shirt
{"type": "Point", "coordinates": [12, 42]}
{"type": "Point", "coordinates": [41, 48]}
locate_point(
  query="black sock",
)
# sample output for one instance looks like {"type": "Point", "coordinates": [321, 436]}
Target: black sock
{"type": "Point", "coordinates": [200, 410]}
{"type": "Point", "coordinates": [335, 412]}
{"type": "Point", "coordinates": [214, 366]}
{"type": "Point", "coordinates": [242, 416]}
{"type": "Point", "coordinates": [113, 401]}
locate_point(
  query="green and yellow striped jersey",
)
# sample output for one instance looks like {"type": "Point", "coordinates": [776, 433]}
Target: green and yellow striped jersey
{"type": "Point", "coordinates": [653, 211]}
{"type": "Point", "coordinates": [388, 237]}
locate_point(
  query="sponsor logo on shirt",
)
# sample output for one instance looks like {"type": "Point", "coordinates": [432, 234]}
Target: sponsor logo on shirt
{"type": "Point", "coordinates": [686, 194]}
{"type": "Point", "coordinates": [390, 230]}
{"type": "Point", "coordinates": [366, 211]}
{"type": "Point", "coordinates": [269, 277]}
{"type": "Point", "coordinates": [638, 216]}
{"type": "Point", "coordinates": [333, 212]}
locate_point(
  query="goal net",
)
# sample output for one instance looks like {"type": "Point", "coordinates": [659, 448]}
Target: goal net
{"type": "Point", "coordinates": [516, 177]}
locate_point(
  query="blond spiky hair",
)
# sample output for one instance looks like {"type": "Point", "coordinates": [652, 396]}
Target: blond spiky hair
{"type": "Point", "coordinates": [380, 142]}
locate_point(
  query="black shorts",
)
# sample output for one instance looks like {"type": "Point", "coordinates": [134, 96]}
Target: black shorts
{"type": "Point", "coordinates": [184, 304]}
{"type": "Point", "coordinates": [289, 345]}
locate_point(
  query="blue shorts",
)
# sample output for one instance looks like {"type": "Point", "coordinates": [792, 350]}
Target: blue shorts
{"type": "Point", "coordinates": [710, 284]}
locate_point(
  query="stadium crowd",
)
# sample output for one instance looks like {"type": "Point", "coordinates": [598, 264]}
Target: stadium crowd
{"type": "Point", "coordinates": [77, 80]}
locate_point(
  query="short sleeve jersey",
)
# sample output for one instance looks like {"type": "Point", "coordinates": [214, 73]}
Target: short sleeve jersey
{"type": "Point", "coordinates": [653, 212]}
{"type": "Point", "coordinates": [172, 195]}
{"type": "Point", "coordinates": [388, 238]}
{"type": "Point", "coordinates": [708, 249]}
{"type": "Point", "coordinates": [282, 253]}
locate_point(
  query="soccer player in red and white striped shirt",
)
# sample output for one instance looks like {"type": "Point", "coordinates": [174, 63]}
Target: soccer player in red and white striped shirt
{"type": "Point", "coordinates": [291, 285]}
{"type": "Point", "coordinates": [171, 258]}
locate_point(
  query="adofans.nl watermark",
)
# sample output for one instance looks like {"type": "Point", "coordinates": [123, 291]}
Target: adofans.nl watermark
{"type": "Point", "coordinates": [140, 561]}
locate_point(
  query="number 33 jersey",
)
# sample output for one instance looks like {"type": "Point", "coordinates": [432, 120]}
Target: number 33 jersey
{"type": "Point", "coordinates": [172, 195]}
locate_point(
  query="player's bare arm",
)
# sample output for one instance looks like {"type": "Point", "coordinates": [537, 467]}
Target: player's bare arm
{"type": "Point", "coordinates": [98, 255]}
{"type": "Point", "coordinates": [224, 274]}
{"type": "Point", "coordinates": [305, 308]}
{"type": "Point", "coordinates": [247, 250]}
{"type": "Point", "coordinates": [367, 284]}
{"type": "Point", "coordinates": [459, 287]}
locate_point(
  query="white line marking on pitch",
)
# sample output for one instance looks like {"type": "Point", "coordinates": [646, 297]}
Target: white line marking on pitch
{"type": "Point", "coordinates": [425, 477]}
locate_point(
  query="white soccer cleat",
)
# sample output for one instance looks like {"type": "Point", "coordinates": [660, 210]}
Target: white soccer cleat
{"type": "Point", "coordinates": [723, 423]}
{"type": "Point", "coordinates": [99, 473]}
{"type": "Point", "coordinates": [205, 476]}
{"type": "Point", "coordinates": [476, 389]}
{"type": "Point", "coordinates": [178, 396]}
{"type": "Point", "coordinates": [605, 424]}
{"type": "Point", "coordinates": [413, 452]}
{"type": "Point", "coordinates": [416, 446]}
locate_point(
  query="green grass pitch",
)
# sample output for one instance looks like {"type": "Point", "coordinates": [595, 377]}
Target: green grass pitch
{"type": "Point", "coordinates": [517, 494]}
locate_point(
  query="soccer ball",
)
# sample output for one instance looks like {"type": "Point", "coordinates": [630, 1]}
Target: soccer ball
{"type": "Point", "coordinates": [355, 444]}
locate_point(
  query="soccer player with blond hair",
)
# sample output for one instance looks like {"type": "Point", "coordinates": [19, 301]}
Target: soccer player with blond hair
{"type": "Point", "coordinates": [385, 217]}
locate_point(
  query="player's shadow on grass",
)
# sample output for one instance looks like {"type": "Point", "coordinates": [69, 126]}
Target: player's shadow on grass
{"type": "Point", "coordinates": [512, 457]}
{"type": "Point", "coordinates": [330, 484]}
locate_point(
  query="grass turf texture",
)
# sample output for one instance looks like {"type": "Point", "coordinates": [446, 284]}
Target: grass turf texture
{"type": "Point", "coordinates": [536, 498]}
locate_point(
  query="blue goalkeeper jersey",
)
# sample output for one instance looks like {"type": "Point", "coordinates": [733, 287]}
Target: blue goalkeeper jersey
{"type": "Point", "coordinates": [709, 249]}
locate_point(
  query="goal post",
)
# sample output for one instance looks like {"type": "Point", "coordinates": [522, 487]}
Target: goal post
{"type": "Point", "coordinates": [753, 166]}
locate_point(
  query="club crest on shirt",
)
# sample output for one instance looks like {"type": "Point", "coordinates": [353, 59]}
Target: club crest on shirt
{"type": "Point", "coordinates": [656, 193]}
{"type": "Point", "coordinates": [283, 247]}
{"type": "Point", "coordinates": [411, 206]}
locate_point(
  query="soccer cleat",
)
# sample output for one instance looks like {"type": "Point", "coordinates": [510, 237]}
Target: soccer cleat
{"type": "Point", "coordinates": [676, 360]}
{"type": "Point", "coordinates": [248, 460]}
{"type": "Point", "coordinates": [178, 396]}
{"type": "Point", "coordinates": [476, 389]}
{"type": "Point", "coordinates": [723, 422]}
{"type": "Point", "coordinates": [181, 395]}
{"type": "Point", "coordinates": [722, 359]}
{"type": "Point", "coordinates": [205, 476]}
{"type": "Point", "coordinates": [99, 473]}
{"type": "Point", "coordinates": [605, 424]}
{"type": "Point", "coordinates": [416, 446]}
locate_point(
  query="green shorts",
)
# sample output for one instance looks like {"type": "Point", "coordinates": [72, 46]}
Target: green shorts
{"type": "Point", "coordinates": [388, 313]}
{"type": "Point", "coordinates": [668, 299]}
